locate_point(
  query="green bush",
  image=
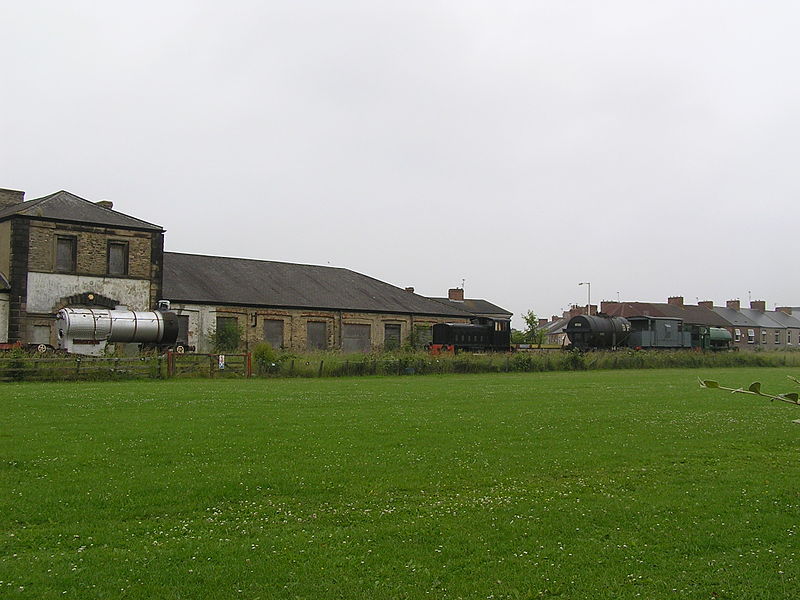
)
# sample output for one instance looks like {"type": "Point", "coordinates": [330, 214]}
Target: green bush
{"type": "Point", "coordinates": [265, 358]}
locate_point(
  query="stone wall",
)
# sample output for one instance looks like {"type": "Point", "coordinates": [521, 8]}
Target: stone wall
{"type": "Point", "coordinates": [202, 322]}
{"type": "Point", "coordinates": [3, 317]}
{"type": "Point", "coordinates": [92, 249]}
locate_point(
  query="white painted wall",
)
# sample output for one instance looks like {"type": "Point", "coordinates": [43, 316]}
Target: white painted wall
{"type": "Point", "coordinates": [202, 320]}
{"type": "Point", "coordinates": [4, 311]}
{"type": "Point", "coordinates": [46, 289]}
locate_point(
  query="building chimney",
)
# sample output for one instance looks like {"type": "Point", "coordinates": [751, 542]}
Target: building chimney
{"type": "Point", "coordinates": [456, 294]}
{"type": "Point", "coordinates": [732, 304]}
{"type": "Point", "coordinates": [759, 305]}
{"type": "Point", "coordinates": [10, 197]}
{"type": "Point", "coordinates": [709, 304]}
{"type": "Point", "coordinates": [554, 318]}
{"type": "Point", "coordinates": [787, 310]}
{"type": "Point", "coordinates": [675, 301]}
{"type": "Point", "coordinates": [609, 307]}
{"type": "Point", "coordinates": [542, 322]}
{"type": "Point", "coordinates": [105, 204]}
{"type": "Point", "coordinates": [410, 290]}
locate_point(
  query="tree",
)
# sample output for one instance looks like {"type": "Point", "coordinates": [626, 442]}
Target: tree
{"type": "Point", "coordinates": [227, 337]}
{"type": "Point", "coordinates": [533, 334]}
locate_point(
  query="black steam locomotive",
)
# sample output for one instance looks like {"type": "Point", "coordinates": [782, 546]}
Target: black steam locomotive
{"type": "Point", "coordinates": [482, 335]}
{"type": "Point", "coordinates": [595, 332]}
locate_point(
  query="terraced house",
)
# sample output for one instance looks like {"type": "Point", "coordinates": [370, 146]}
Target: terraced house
{"type": "Point", "coordinates": [62, 250]}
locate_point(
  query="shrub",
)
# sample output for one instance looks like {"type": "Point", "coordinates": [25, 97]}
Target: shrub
{"type": "Point", "coordinates": [264, 358]}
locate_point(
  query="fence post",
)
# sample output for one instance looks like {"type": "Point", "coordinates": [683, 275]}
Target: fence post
{"type": "Point", "coordinates": [321, 363]}
{"type": "Point", "coordinates": [170, 363]}
{"type": "Point", "coordinates": [211, 365]}
{"type": "Point", "coordinates": [249, 365]}
{"type": "Point", "coordinates": [77, 366]}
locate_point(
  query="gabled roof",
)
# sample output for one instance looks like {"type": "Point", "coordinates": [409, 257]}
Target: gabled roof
{"type": "Point", "coordinates": [734, 317]}
{"type": "Point", "coordinates": [65, 206]}
{"type": "Point", "coordinates": [198, 279]}
{"type": "Point", "coordinates": [784, 319]}
{"type": "Point", "coordinates": [476, 306]}
{"type": "Point", "coordinates": [760, 318]}
{"type": "Point", "coordinates": [692, 315]}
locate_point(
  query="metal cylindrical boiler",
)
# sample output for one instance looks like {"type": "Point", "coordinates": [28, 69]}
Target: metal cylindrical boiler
{"type": "Point", "coordinates": [597, 331]}
{"type": "Point", "coordinates": [102, 324]}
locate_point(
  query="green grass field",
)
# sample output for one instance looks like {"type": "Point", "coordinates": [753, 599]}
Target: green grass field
{"type": "Point", "coordinates": [607, 484]}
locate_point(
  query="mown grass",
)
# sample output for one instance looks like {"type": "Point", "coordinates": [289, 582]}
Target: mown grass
{"type": "Point", "coordinates": [607, 484]}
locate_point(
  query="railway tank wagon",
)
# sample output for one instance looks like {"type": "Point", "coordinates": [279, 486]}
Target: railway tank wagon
{"type": "Point", "coordinates": [88, 330]}
{"type": "Point", "coordinates": [586, 332]}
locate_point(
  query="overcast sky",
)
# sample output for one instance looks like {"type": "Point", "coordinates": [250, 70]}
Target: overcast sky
{"type": "Point", "coordinates": [650, 148]}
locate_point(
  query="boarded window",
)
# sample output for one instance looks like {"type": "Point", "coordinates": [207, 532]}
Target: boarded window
{"type": "Point", "coordinates": [273, 332]}
{"type": "Point", "coordinates": [356, 338]}
{"type": "Point", "coordinates": [66, 254]}
{"type": "Point", "coordinates": [227, 337]}
{"type": "Point", "coordinates": [391, 336]}
{"type": "Point", "coordinates": [183, 330]}
{"type": "Point", "coordinates": [423, 335]}
{"type": "Point", "coordinates": [117, 258]}
{"type": "Point", "coordinates": [317, 335]}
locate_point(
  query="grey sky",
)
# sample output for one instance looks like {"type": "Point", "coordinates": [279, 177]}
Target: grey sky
{"type": "Point", "coordinates": [650, 148]}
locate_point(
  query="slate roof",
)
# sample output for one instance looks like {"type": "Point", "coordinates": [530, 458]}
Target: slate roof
{"type": "Point", "coordinates": [200, 279]}
{"type": "Point", "coordinates": [476, 306]}
{"type": "Point", "coordinates": [66, 206]}
{"type": "Point", "coordinates": [734, 317]}
{"type": "Point", "coordinates": [692, 315]}
{"type": "Point", "coordinates": [784, 320]}
{"type": "Point", "coordinates": [4, 285]}
{"type": "Point", "coordinates": [761, 318]}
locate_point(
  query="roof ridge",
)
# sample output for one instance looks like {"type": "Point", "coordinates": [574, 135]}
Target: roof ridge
{"type": "Point", "coordinates": [258, 260]}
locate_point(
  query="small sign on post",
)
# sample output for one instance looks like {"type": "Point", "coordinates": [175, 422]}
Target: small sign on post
{"type": "Point", "coordinates": [221, 361]}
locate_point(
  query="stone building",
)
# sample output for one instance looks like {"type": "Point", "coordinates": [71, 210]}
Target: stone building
{"type": "Point", "coordinates": [62, 250]}
{"type": "Point", "coordinates": [296, 307]}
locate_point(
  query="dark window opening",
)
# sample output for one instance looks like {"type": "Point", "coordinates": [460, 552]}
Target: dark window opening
{"type": "Point", "coordinates": [117, 258]}
{"type": "Point", "coordinates": [273, 332]}
{"type": "Point", "coordinates": [66, 254]}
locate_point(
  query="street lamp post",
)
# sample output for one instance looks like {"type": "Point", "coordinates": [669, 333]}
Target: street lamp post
{"type": "Point", "coordinates": [589, 299]}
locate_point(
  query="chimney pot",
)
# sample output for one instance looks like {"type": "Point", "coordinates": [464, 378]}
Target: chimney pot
{"type": "Point", "coordinates": [733, 304]}
{"type": "Point", "coordinates": [709, 304]}
{"type": "Point", "coordinates": [10, 197]}
{"type": "Point", "coordinates": [759, 305]}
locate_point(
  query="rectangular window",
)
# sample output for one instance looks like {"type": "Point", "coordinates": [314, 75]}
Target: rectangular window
{"type": "Point", "coordinates": [316, 335]}
{"type": "Point", "coordinates": [763, 336]}
{"type": "Point", "coordinates": [751, 336]}
{"type": "Point", "coordinates": [356, 337]}
{"type": "Point", "coordinates": [273, 332]}
{"type": "Point", "coordinates": [183, 330]}
{"type": "Point", "coordinates": [423, 335]}
{"type": "Point", "coordinates": [117, 258]}
{"type": "Point", "coordinates": [737, 335]}
{"type": "Point", "coordinates": [391, 336]}
{"type": "Point", "coordinates": [66, 254]}
{"type": "Point", "coordinates": [227, 337]}
{"type": "Point", "coordinates": [777, 336]}
{"type": "Point", "coordinates": [788, 337]}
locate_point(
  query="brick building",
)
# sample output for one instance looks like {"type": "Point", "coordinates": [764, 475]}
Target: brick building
{"type": "Point", "coordinates": [63, 250]}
